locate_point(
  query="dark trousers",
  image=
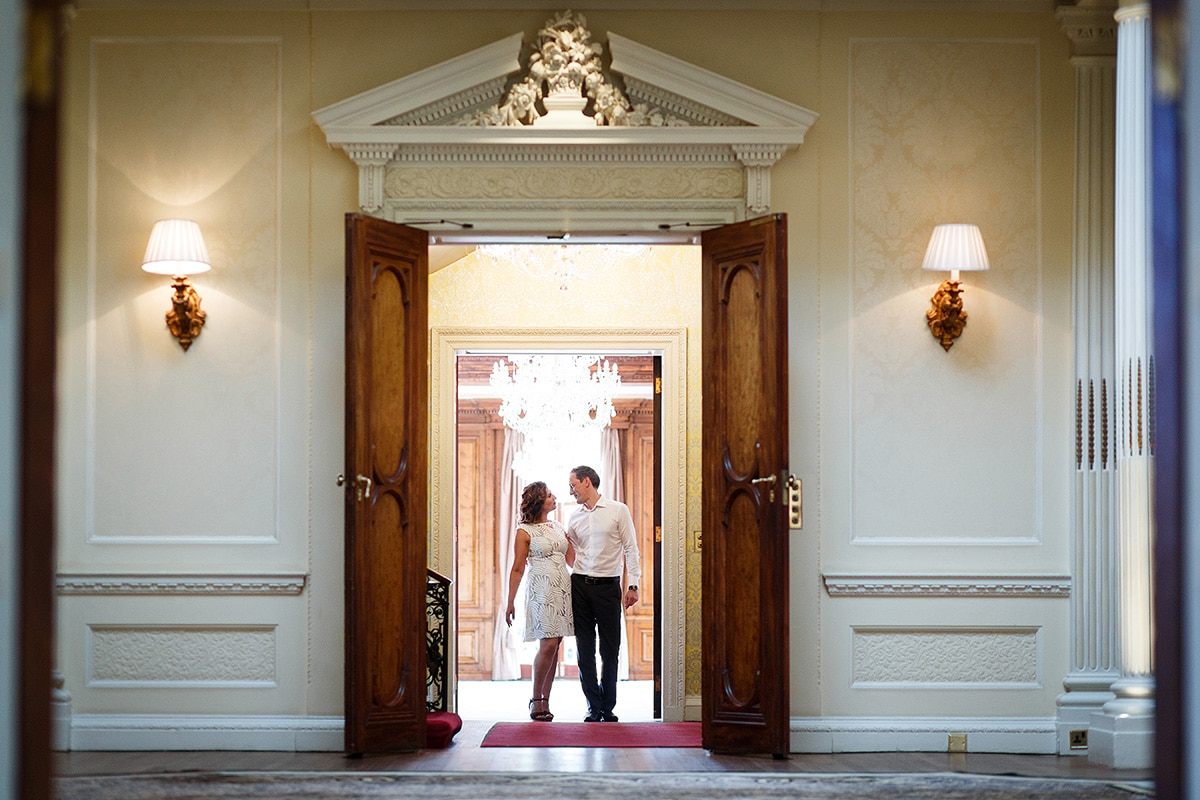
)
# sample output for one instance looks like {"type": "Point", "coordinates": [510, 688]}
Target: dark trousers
{"type": "Point", "coordinates": [597, 609]}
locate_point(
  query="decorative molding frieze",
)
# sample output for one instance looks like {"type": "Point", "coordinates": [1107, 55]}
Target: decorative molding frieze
{"type": "Point", "coordinates": [946, 657]}
{"type": "Point", "coordinates": [700, 155]}
{"type": "Point", "coordinates": [96, 584]}
{"type": "Point", "coordinates": [852, 585]}
{"type": "Point", "coordinates": [180, 655]}
{"type": "Point", "coordinates": [570, 183]}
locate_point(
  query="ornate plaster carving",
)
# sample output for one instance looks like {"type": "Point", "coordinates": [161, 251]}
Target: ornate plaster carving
{"type": "Point", "coordinates": [289, 584]}
{"type": "Point", "coordinates": [565, 62]}
{"type": "Point", "coordinates": [538, 182]}
{"type": "Point", "coordinates": [643, 107]}
{"type": "Point", "coordinates": [946, 656]}
{"type": "Point", "coordinates": [181, 655]}
{"type": "Point", "coordinates": [948, 586]}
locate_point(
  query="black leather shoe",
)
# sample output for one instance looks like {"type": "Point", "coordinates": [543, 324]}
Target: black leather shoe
{"type": "Point", "coordinates": [608, 716]}
{"type": "Point", "coordinates": [593, 717]}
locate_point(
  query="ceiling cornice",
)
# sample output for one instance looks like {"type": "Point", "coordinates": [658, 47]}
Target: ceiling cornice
{"type": "Point", "coordinates": [943, 6]}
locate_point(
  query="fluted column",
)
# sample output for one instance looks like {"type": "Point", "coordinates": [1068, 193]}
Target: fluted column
{"type": "Point", "coordinates": [1122, 733]}
{"type": "Point", "coordinates": [1092, 30]}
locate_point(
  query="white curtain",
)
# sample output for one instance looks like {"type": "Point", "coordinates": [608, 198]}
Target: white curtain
{"type": "Point", "coordinates": [613, 483]}
{"type": "Point", "coordinates": [506, 664]}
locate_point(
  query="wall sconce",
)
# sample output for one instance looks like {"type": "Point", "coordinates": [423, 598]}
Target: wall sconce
{"type": "Point", "coordinates": [952, 247]}
{"type": "Point", "coordinates": [177, 249]}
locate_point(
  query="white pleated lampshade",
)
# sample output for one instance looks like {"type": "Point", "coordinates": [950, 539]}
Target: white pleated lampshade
{"type": "Point", "coordinates": [956, 247]}
{"type": "Point", "coordinates": [176, 248]}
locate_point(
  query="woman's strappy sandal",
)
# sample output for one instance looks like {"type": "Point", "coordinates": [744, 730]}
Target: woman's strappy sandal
{"type": "Point", "coordinates": [540, 716]}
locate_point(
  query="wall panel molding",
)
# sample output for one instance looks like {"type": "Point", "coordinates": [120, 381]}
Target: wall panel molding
{"type": "Point", "coordinates": [181, 584]}
{"type": "Point", "coordinates": [852, 585]}
{"type": "Point", "coordinates": [192, 656]}
{"type": "Point", "coordinates": [946, 657]}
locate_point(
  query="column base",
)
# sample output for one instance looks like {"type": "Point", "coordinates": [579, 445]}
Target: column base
{"type": "Point", "coordinates": [1121, 742]}
{"type": "Point", "coordinates": [1122, 733]}
{"type": "Point", "coordinates": [60, 714]}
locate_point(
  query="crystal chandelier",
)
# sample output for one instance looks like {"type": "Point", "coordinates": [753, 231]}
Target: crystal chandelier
{"type": "Point", "coordinates": [560, 263]}
{"type": "Point", "coordinates": [545, 395]}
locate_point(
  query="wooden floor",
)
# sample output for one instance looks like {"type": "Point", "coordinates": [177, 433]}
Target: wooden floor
{"type": "Point", "coordinates": [465, 755]}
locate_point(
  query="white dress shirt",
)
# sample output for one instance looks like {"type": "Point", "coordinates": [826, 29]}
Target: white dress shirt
{"type": "Point", "coordinates": [603, 535]}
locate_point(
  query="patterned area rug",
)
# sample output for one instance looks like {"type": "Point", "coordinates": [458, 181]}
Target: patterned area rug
{"type": "Point", "coordinates": [582, 734]}
{"type": "Point", "coordinates": [612, 786]}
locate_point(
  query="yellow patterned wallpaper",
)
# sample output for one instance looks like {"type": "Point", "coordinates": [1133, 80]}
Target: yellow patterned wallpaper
{"type": "Point", "coordinates": [658, 288]}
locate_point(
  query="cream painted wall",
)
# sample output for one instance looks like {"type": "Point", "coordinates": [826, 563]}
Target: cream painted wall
{"type": "Point", "coordinates": [175, 463]}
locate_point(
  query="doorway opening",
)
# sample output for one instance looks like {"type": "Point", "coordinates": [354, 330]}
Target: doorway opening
{"type": "Point", "coordinates": [493, 464]}
{"type": "Point", "coordinates": [524, 314]}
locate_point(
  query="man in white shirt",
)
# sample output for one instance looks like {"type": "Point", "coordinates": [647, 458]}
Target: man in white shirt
{"type": "Point", "coordinates": [602, 532]}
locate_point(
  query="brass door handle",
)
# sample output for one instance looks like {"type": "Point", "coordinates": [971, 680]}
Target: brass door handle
{"type": "Point", "coordinates": [362, 486]}
{"type": "Point", "coordinates": [770, 480]}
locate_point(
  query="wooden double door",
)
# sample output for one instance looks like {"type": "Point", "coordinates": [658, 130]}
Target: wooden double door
{"type": "Point", "coordinates": [745, 561]}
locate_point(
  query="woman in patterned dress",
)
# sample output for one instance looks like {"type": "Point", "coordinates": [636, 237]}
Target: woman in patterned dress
{"type": "Point", "coordinates": [542, 542]}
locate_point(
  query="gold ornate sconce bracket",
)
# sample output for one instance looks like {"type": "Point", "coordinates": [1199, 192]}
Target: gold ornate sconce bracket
{"type": "Point", "coordinates": [185, 317]}
{"type": "Point", "coordinates": [947, 317]}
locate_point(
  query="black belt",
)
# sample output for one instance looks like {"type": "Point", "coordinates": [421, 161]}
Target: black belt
{"type": "Point", "coordinates": [590, 579]}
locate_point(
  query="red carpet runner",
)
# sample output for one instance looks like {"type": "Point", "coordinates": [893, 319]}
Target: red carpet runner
{"type": "Point", "coordinates": [594, 734]}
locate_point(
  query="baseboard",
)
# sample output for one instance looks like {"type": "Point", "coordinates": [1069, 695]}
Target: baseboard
{"type": "Point", "coordinates": [1033, 735]}
{"type": "Point", "coordinates": [693, 709]}
{"type": "Point", "coordinates": [325, 734]}
{"type": "Point", "coordinates": [199, 732]}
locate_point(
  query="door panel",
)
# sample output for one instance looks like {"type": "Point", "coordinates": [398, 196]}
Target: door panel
{"type": "Point", "coordinates": [386, 485]}
{"type": "Point", "coordinates": [744, 558]}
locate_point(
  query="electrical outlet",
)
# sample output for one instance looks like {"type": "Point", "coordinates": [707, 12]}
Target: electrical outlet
{"type": "Point", "coordinates": [957, 743]}
{"type": "Point", "coordinates": [1078, 740]}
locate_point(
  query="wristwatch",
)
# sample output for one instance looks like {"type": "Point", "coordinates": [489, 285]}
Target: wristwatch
{"type": "Point", "coordinates": [633, 588]}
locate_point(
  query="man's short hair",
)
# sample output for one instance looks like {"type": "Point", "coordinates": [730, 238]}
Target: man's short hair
{"type": "Point", "coordinates": [589, 473]}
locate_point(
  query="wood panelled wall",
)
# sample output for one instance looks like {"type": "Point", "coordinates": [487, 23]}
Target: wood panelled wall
{"type": "Point", "coordinates": [480, 439]}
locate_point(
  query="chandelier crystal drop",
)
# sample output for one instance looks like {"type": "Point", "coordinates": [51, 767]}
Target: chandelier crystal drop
{"type": "Point", "coordinates": [545, 396]}
{"type": "Point", "coordinates": [561, 263]}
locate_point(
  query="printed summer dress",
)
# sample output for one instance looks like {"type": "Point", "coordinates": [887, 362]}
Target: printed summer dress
{"type": "Point", "coordinates": [547, 582]}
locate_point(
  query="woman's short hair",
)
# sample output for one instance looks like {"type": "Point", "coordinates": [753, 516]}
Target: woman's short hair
{"type": "Point", "coordinates": [532, 500]}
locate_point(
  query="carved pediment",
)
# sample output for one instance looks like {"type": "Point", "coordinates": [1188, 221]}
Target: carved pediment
{"type": "Point", "coordinates": [565, 98]}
